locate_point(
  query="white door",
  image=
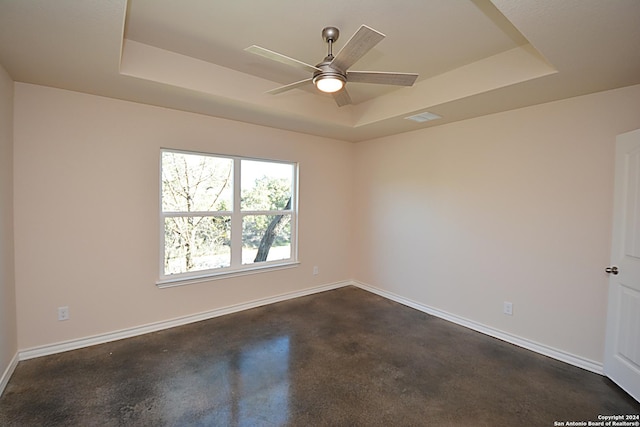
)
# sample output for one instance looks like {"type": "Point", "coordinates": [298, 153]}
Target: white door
{"type": "Point", "coordinates": [622, 348]}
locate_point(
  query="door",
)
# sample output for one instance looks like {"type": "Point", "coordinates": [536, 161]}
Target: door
{"type": "Point", "coordinates": [622, 347]}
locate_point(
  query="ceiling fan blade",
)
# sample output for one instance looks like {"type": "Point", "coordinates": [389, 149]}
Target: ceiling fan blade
{"type": "Point", "coordinates": [360, 43]}
{"type": "Point", "coordinates": [382, 77]}
{"type": "Point", "coordinates": [289, 86]}
{"type": "Point", "coordinates": [342, 97]}
{"type": "Point", "coordinates": [275, 56]}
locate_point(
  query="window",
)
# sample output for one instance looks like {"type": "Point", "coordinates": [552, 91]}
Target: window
{"type": "Point", "coordinates": [224, 215]}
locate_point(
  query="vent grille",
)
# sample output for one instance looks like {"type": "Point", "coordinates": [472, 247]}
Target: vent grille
{"type": "Point", "coordinates": [423, 117]}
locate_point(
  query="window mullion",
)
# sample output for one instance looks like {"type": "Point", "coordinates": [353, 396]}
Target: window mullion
{"type": "Point", "coordinates": [271, 213]}
{"type": "Point", "coordinates": [236, 218]}
{"type": "Point", "coordinates": [195, 213]}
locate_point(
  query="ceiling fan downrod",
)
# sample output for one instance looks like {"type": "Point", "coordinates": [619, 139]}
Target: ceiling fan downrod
{"type": "Point", "coordinates": [330, 35]}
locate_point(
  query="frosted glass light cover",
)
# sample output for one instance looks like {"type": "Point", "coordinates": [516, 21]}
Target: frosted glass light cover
{"type": "Point", "coordinates": [329, 85]}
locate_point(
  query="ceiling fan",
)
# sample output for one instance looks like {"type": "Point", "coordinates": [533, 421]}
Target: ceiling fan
{"type": "Point", "coordinates": [332, 73]}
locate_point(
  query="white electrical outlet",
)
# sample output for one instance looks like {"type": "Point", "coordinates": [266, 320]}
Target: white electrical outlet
{"type": "Point", "coordinates": [315, 270]}
{"type": "Point", "coordinates": [508, 308]}
{"type": "Point", "coordinates": [63, 313]}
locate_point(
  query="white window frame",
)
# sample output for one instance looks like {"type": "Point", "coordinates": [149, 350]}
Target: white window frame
{"type": "Point", "coordinates": [236, 267]}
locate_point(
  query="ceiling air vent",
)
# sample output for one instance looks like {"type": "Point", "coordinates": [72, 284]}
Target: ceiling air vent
{"type": "Point", "coordinates": [423, 117]}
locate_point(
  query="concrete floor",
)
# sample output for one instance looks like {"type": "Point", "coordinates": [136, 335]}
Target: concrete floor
{"type": "Point", "coordinates": [344, 357]}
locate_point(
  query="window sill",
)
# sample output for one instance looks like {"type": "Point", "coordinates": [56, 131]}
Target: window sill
{"type": "Point", "coordinates": [173, 282]}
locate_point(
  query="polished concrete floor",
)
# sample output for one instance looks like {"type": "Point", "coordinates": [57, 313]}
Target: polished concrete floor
{"type": "Point", "coordinates": [340, 358]}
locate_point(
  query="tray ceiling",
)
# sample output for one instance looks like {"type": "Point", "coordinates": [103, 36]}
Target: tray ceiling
{"type": "Point", "coordinates": [473, 57]}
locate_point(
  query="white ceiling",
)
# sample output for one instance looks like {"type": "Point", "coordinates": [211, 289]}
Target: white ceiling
{"type": "Point", "coordinates": [474, 57]}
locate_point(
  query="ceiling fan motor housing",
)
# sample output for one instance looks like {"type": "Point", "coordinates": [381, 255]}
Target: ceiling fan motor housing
{"type": "Point", "coordinates": [327, 71]}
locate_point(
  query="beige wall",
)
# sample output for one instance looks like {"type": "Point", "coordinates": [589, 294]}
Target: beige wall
{"type": "Point", "coordinates": [509, 207]}
{"type": "Point", "coordinates": [86, 212]}
{"type": "Point", "coordinates": [8, 340]}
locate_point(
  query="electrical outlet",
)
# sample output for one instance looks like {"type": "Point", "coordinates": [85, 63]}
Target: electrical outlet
{"type": "Point", "coordinates": [315, 270]}
{"type": "Point", "coordinates": [507, 308]}
{"type": "Point", "coordinates": [63, 313]}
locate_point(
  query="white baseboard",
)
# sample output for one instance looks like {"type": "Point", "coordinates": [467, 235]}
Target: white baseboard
{"type": "Point", "coordinates": [4, 379]}
{"type": "Point", "coordinates": [60, 347]}
{"type": "Point", "coordinates": [560, 355]}
{"type": "Point", "coordinates": [554, 353]}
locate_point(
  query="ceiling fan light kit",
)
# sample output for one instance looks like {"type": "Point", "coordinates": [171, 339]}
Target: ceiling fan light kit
{"type": "Point", "coordinates": [331, 75]}
{"type": "Point", "coordinates": [328, 83]}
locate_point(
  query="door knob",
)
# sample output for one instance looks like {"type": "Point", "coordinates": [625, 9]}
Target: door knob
{"type": "Point", "coordinates": [612, 270]}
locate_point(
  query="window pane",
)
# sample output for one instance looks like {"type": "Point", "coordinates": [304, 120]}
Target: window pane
{"type": "Point", "coordinates": [192, 182]}
{"type": "Point", "coordinates": [266, 238]}
{"type": "Point", "coordinates": [266, 185]}
{"type": "Point", "coordinates": [196, 243]}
